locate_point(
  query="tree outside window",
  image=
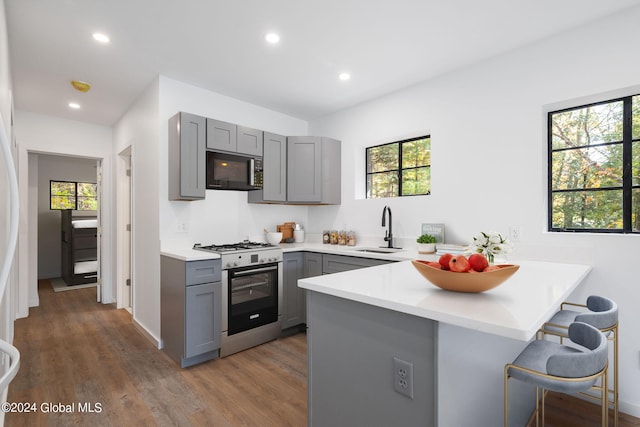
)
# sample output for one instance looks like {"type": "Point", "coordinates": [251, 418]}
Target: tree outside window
{"type": "Point", "coordinates": [400, 168]}
{"type": "Point", "coordinates": [594, 167]}
{"type": "Point", "coordinates": [81, 196]}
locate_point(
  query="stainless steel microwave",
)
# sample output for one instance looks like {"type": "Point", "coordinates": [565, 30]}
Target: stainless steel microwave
{"type": "Point", "coordinates": [227, 171]}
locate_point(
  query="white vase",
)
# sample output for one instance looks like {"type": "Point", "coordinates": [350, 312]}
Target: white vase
{"type": "Point", "coordinates": [426, 248]}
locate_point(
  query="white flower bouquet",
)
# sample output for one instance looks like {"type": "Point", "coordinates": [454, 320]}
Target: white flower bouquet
{"type": "Point", "coordinates": [490, 244]}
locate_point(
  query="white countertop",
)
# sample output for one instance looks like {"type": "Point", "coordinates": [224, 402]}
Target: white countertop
{"type": "Point", "coordinates": [516, 309]}
{"type": "Point", "coordinates": [188, 254]}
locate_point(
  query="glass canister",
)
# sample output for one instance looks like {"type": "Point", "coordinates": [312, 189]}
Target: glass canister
{"type": "Point", "coordinates": [351, 238]}
{"type": "Point", "coordinates": [326, 237]}
{"type": "Point", "coordinates": [334, 237]}
{"type": "Point", "coordinates": [342, 237]}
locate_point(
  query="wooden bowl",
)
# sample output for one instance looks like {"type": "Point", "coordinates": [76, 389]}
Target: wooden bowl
{"type": "Point", "coordinates": [465, 282]}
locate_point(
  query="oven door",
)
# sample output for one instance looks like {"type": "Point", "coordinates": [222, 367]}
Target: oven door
{"type": "Point", "coordinates": [252, 297]}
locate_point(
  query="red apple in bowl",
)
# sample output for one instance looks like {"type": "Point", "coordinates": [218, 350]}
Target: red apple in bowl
{"type": "Point", "coordinates": [444, 261]}
{"type": "Point", "coordinates": [459, 264]}
{"type": "Point", "coordinates": [478, 262]}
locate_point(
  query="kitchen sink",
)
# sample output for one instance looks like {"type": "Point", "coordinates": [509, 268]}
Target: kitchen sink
{"type": "Point", "coordinates": [379, 250]}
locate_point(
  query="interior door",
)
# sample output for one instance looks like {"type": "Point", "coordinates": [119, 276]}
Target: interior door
{"type": "Point", "coordinates": [127, 199]}
{"type": "Point", "coordinates": [99, 230]}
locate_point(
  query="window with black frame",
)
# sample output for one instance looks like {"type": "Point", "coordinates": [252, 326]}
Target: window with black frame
{"type": "Point", "coordinates": [81, 196]}
{"type": "Point", "coordinates": [401, 168]}
{"type": "Point", "coordinates": [594, 167]}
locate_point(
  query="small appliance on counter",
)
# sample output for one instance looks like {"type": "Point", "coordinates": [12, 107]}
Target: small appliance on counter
{"type": "Point", "coordinates": [298, 233]}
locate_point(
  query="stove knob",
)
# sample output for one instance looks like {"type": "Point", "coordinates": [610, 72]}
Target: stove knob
{"type": "Point", "coordinates": [228, 265]}
{"type": "Point", "coordinates": [235, 264]}
{"type": "Point", "coordinates": [261, 259]}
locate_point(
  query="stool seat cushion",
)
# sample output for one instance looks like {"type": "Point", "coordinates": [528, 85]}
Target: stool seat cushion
{"type": "Point", "coordinates": [563, 362]}
{"type": "Point", "coordinates": [535, 357]}
{"type": "Point", "coordinates": [602, 314]}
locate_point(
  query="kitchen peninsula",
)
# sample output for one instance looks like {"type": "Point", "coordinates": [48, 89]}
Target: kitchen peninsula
{"type": "Point", "coordinates": [455, 344]}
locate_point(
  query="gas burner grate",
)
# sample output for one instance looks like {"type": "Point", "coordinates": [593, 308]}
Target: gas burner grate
{"type": "Point", "coordinates": [231, 247]}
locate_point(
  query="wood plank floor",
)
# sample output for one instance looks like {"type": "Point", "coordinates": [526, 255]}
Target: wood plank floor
{"type": "Point", "coordinates": [76, 350]}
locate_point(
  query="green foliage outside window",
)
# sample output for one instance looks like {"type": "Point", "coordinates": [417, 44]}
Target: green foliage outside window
{"type": "Point", "coordinates": [81, 196]}
{"type": "Point", "coordinates": [400, 168]}
{"type": "Point", "coordinates": [594, 167]}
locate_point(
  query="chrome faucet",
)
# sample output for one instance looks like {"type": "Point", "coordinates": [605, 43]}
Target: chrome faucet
{"type": "Point", "coordinates": [388, 234]}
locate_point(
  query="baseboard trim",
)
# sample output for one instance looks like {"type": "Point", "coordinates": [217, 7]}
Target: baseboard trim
{"type": "Point", "coordinates": [629, 408]}
{"type": "Point", "coordinates": [148, 335]}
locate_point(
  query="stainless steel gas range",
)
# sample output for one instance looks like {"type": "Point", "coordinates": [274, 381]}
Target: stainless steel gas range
{"type": "Point", "coordinates": [251, 294]}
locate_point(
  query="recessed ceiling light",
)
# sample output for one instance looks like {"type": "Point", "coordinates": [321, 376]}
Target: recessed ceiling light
{"type": "Point", "coordinates": [272, 38]}
{"type": "Point", "coordinates": [74, 105]}
{"type": "Point", "coordinates": [344, 76]}
{"type": "Point", "coordinates": [102, 38]}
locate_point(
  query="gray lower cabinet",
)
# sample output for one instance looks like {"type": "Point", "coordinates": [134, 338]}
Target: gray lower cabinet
{"type": "Point", "coordinates": [337, 263]}
{"type": "Point", "coordinates": [293, 298]}
{"type": "Point", "coordinates": [312, 264]}
{"type": "Point", "coordinates": [313, 170]}
{"type": "Point", "coordinates": [190, 309]}
{"type": "Point", "coordinates": [187, 161]}
{"type": "Point", "coordinates": [298, 265]}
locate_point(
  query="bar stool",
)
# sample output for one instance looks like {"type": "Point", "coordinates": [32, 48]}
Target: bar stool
{"type": "Point", "coordinates": [553, 366]}
{"type": "Point", "coordinates": [602, 313]}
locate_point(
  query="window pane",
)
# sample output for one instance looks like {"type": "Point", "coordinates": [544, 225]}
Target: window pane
{"type": "Point", "coordinates": [594, 167]}
{"type": "Point", "coordinates": [63, 202]}
{"type": "Point", "coordinates": [87, 203]}
{"type": "Point", "coordinates": [635, 163]}
{"type": "Point", "coordinates": [382, 158]}
{"type": "Point", "coordinates": [635, 107]}
{"type": "Point", "coordinates": [384, 184]}
{"type": "Point", "coordinates": [87, 189]}
{"type": "Point", "coordinates": [416, 153]}
{"type": "Point", "coordinates": [63, 195]}
{"type": "Point", "coordinates": [635, 210]}
{"type": "Point", "coordinates": [591, 125]}
{"type": "Point", "coordinates": [63, 188]}
{"type": "Point", "coordinates": [588, 209]}
{"type": "Point", "coordinates": [416, 181]}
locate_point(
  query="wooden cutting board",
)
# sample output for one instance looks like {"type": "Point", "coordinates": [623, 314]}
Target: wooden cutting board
{"type": "Point", "coordinates": [287, 230]}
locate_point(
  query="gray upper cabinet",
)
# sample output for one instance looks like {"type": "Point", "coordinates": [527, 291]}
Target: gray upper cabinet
{"type": "Point", "coordinates": [274, 168]}
{"type": "Point", "coordinates": [249, 141]}
{"type": "Point", "coordinates": [313, 170]}
{"type": "Point", "coordinates": [187, 157]}
{"type": "Point", "coordinates": [221, 136]}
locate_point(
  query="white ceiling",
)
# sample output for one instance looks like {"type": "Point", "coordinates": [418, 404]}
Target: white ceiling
{"type": "Point", "coordinates": [219, 45]}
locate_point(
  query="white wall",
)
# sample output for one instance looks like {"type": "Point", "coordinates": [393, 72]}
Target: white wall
{"type": "Point", "coordinates": [57, 168]}
{"type": "Point", "coordinates": [224, 216]}
{"type": "Point", "coordinates": [36, 133]}
{"type": "Point", "coordinates": [488, 128]}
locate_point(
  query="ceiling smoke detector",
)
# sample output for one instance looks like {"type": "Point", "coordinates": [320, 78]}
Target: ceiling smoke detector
{"type": "Point", "coordinates": [80, 86]}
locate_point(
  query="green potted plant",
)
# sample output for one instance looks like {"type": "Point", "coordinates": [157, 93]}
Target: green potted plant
{"type": "Point", "coordinates": [426, 244]}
